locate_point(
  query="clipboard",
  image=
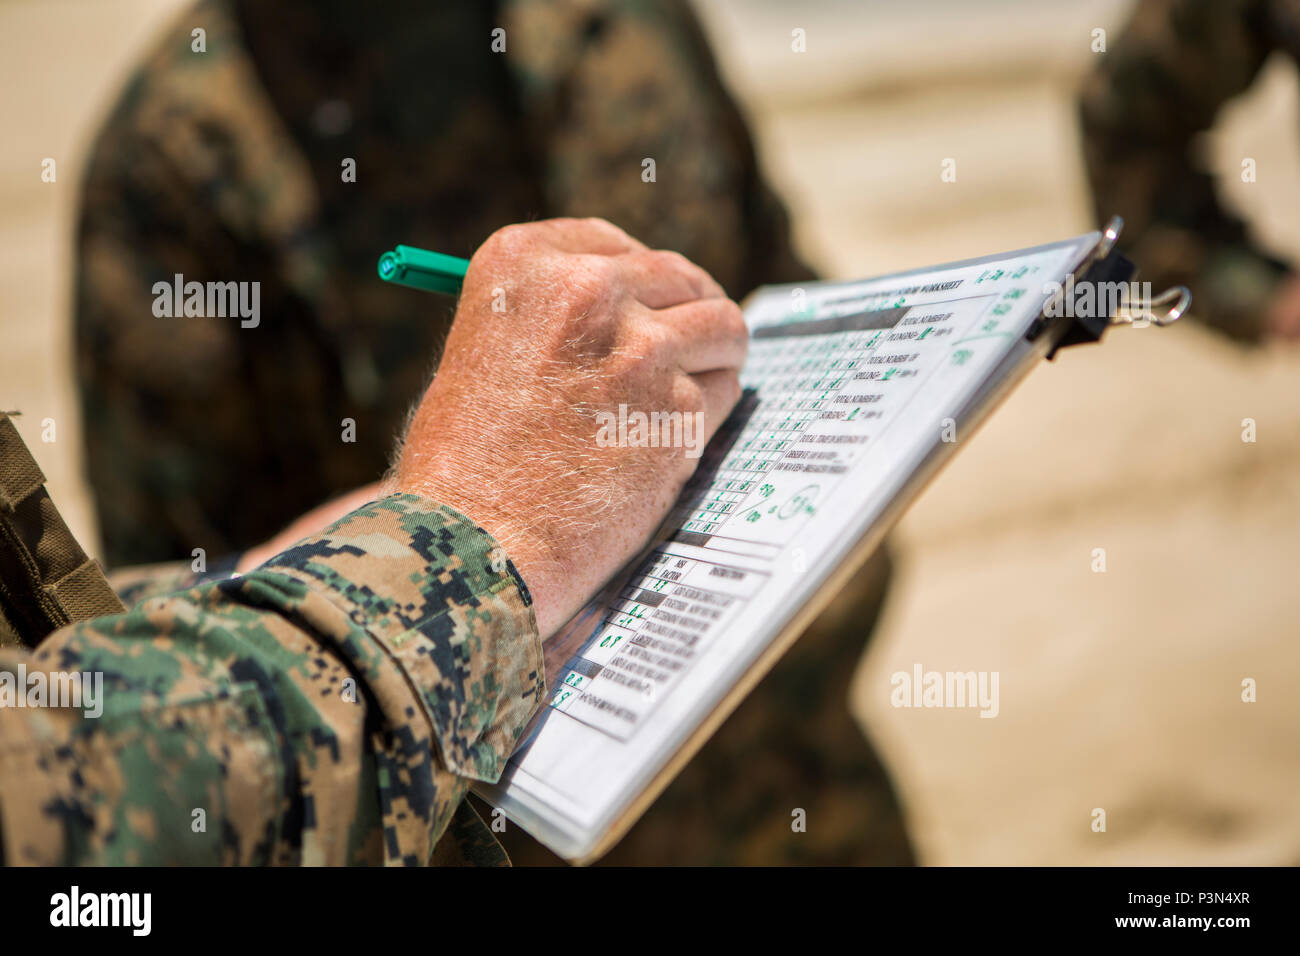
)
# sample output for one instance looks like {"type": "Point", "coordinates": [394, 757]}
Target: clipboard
{"type": "Point", "coordinates": [597, 739]}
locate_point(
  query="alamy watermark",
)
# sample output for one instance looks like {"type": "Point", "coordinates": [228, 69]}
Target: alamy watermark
{"type": "Point", "coordinates": [1090, 300]}
{"type": "Point", "coordinates": [81, 689]}
{"type": "Point", "coordinates": [75, 908]}
{"type": "Point", "coordinates": [945, 689]}
{"type": "Point", "coordinates": [651, 430]}
{"type": "Point", "coordinates": [219, 300]}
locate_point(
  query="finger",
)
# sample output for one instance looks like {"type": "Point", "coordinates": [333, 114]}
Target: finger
{"type": "Point", "coordinates": [706, 334]}
{"type": "Point", "coordinates": [591, 236]}
{"type": "Point", "coordinates": [719, 391]}
{"type": "Point", "coordinates": [659, 278]}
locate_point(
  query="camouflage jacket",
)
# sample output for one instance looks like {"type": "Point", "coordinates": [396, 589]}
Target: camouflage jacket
{"type": "Point", "coordinates": [332, 706]}
{"type": "Point", "coordinates": [1159, 85]}
{"type": "Point", "coordinates": [229, 165]}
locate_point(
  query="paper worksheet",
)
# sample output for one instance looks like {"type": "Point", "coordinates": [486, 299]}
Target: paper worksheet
{"type": "Point", "coordinates": [849, 387]}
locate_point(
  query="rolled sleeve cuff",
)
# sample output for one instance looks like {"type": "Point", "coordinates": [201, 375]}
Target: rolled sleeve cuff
{"type": "Point", "coordinates": [443, 623]}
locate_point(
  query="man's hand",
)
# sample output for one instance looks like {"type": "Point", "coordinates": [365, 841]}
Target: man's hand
{"type": "Point", "coordinates": [559, 321]}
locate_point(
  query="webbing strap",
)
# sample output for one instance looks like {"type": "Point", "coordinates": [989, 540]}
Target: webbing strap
{"type": "Point", "coordinates": [46, 579]}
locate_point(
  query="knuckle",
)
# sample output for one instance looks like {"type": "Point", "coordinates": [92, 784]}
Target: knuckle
{"type": "Point", "coordinates": [646, 381]}
{"type": "Point", "coordinates": [511, 241]}
{"type": "Point", "coordinates": [604, 227]}
{"type": "Point", "coordinates": [646, 343]}
{"type": "Point", "coordinates": [591, 279]}
{"type": "Point", "coordinates": [689, 398]}
{"type": "Point", "coordinates": [589, 228]}
{"type": "Point", "coordinates": [667, 270]}
{"type": "Point", "coordinates": [672, 259]}
{"type": "Point", "coordinates": [703, 283]}
{"type": "Point", "coordinates": [666, 261]}
{"type": "Point", "coordinates": [566, 225]}
{"type": "Point", "coordinates": [731, 319]}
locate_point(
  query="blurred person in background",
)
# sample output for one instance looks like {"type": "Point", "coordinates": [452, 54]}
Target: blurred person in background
{"type": "Point", "coordinates": [1154, 92]}
{"type": "Point", "coordinates": [232, 164]}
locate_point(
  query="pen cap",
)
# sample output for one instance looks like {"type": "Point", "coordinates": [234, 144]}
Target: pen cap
{"type": "Point", "coordinates": [422, 269]}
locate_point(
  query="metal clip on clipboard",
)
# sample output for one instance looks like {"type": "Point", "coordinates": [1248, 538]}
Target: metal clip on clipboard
{"type": "Point", "coordinates": [1103, 270]}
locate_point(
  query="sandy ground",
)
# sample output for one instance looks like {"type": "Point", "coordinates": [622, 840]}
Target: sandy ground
{"type": "Point", "coordinates": [1119, 690]}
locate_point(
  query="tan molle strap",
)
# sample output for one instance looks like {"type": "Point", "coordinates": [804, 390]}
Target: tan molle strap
{"type": "Point", "coordinates": [46, 579]}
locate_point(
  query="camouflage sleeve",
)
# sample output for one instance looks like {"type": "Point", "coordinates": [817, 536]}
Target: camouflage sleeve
{"type": "Point", "coordinates": [1160, 84]}
{"type": "Point", "coordinates": [141, 581]}
{"type": "Point", "coordinates": [332, 706]}
{"type": "Point", "coordinates": [631, 121]}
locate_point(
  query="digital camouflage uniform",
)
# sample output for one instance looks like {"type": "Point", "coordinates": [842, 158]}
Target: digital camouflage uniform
{"type": "Point", "coordinates": [1161, 83]}
{"type": "Point", "coordinates": [331, 707]}
{"type": "Point", "coordinates": [226, 166]}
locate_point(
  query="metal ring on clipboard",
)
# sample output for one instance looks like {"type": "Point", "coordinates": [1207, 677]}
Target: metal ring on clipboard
{"type": "Point", "coordinates": [1179, 295]}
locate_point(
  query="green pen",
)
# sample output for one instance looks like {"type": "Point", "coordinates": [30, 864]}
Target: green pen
{"type": "Point", "coordinates": [421, 269]}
